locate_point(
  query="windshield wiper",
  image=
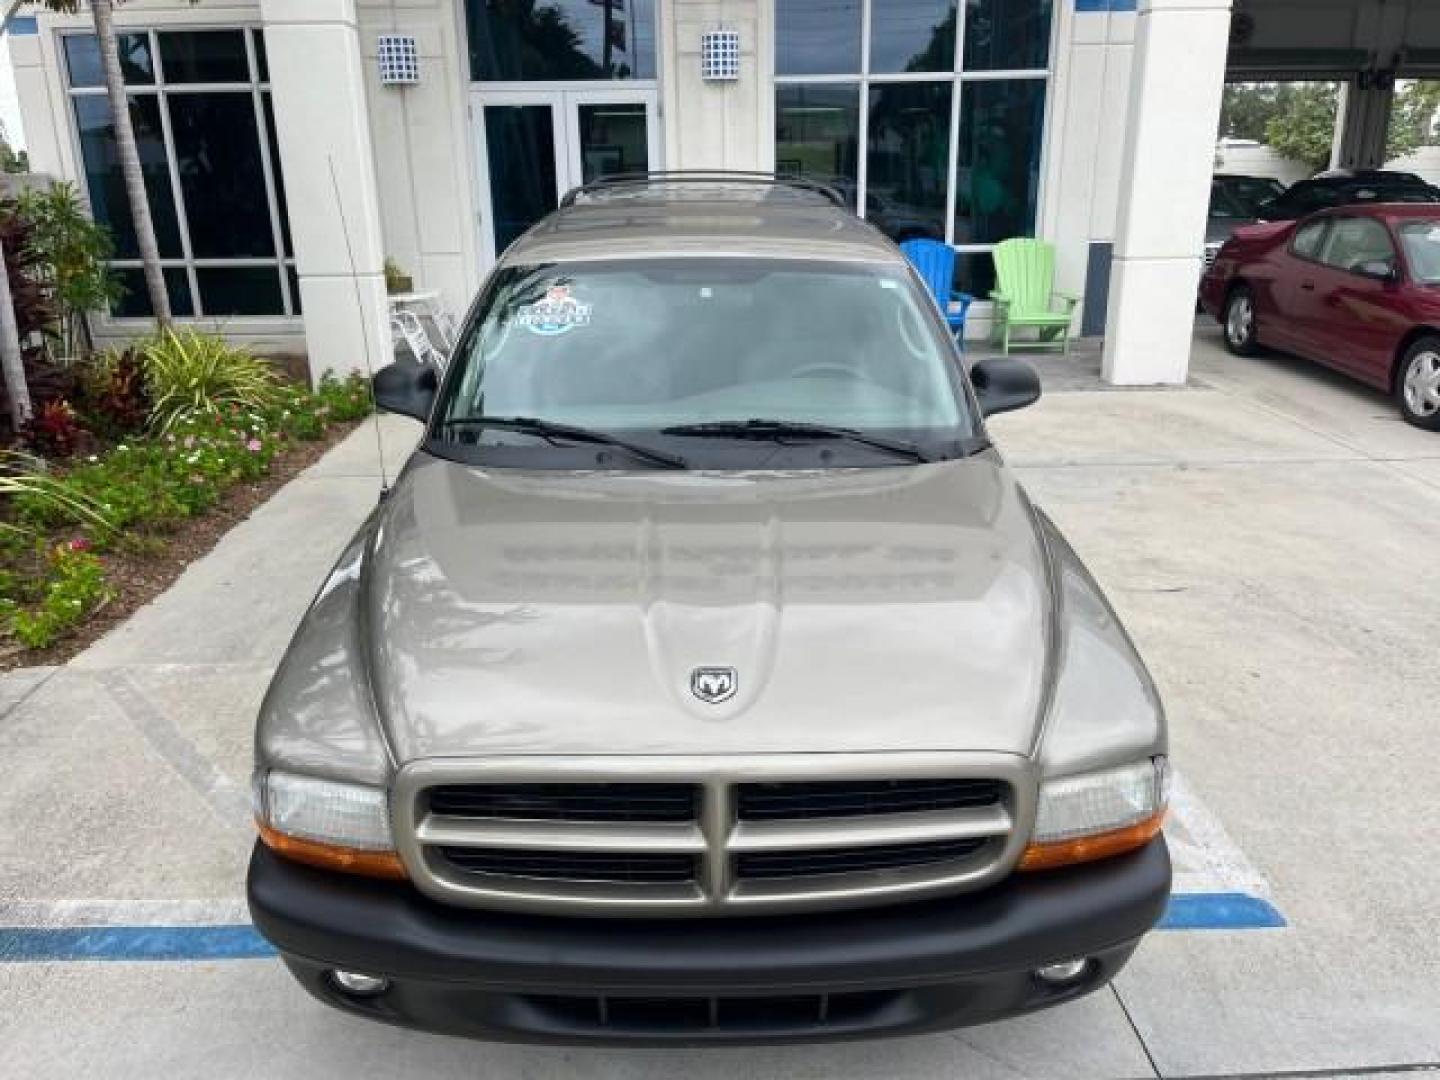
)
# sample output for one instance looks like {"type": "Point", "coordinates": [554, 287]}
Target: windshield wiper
{"type": "Point", "coordinates": [547, 429]}
{"type": "Point", "coordinates": [781, 429]}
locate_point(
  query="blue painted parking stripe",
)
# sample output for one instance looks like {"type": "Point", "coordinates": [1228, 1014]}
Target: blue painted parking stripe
{"type": "Point", "coordinates": [1220, 911]}
{"type": "Point", "coordinates": [237, 942]}
{"type": "Point", "coordinates": [1187, 911]}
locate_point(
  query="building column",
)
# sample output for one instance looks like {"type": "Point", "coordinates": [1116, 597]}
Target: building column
{"type": "Point", "coordinates": [718, 125]}
{"type": "Point", "coordinates": [1363, 126]}
{"type": "Point", "coordinates": [318, 85]}
{"type": "Point", "coordinates": [1175, 91]}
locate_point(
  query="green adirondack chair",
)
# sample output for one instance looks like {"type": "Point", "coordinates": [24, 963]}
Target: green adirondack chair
{"type": "Point", "coordinates": [1025, 274]}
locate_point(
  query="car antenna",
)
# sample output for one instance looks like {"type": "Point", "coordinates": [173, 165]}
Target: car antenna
{"type": "Point", "coordinates": [364, 332]}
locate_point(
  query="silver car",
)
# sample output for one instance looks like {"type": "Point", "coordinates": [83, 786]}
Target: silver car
{"type": "Point", "coordinates": [706, 676]}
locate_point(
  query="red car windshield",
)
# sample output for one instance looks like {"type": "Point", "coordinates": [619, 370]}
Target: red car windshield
{"type": "Point", "coordinates": [1421, 237]}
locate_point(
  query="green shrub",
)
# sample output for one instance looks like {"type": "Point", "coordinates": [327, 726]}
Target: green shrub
{"type": "Point", "coordinates": [190, 374]}
{"type": "Point", "coordinates": [25, 481]}
{"type": "Point", "coordinates": [346, 399]}
{"type": "Point", "coordinates": [74, 587]}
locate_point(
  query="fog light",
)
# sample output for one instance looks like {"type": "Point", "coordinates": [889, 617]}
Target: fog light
{"type": "Point", "coordinates": [353, 982]}
{"type": "Point", "coordinates": [1062, 973]}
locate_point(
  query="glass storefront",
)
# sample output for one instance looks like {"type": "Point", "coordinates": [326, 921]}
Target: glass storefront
{"type": "Point", "coordinates": [927, 114]}
{"type": "Point", "coordinates": [200, 106]}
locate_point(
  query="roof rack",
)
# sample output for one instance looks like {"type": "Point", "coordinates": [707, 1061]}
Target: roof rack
{"type": "Point", "coordinates": [619, 181]}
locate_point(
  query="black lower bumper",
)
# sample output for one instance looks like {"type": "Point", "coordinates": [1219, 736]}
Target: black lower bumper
{"type": "Point", "coordinates": [880, 971]}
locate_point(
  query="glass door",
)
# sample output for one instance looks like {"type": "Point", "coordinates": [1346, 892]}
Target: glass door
{"type": "Point", "coordinates": [534, 145]}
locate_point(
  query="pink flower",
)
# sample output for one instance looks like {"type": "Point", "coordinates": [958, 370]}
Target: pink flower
{"type": "Point", "coordinates": [80, 543]}
{"type": "Point", "coordinates": [254, 446]}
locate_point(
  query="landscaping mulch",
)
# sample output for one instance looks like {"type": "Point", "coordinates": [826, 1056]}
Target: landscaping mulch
{"type": "Point", "coordinates": [137, 576]}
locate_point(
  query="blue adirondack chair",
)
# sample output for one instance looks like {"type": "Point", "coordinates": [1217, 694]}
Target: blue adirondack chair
{"type": "Point", "coordinates": [935, 262]}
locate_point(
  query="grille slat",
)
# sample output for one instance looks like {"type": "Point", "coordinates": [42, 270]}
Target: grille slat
{"type": "Point", "coordinates": [765, 865]}
{"type": "Point", "coordinates": [567, 802]}
{"type": "Point", "coordinates": [628, 867]}
{"type": "Point", "coordinates": [847, 798]}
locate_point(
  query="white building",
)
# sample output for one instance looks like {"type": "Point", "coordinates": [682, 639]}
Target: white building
{"type": "Point", "coordinates": [283, 171]}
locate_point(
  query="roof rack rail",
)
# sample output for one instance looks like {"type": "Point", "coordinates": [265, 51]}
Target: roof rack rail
{"type": "Point", "coordinates": [701, 176]}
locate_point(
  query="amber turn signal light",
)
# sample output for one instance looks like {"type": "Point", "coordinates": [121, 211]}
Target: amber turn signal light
{"type": "Point", "coordinates": [379, 864]}
{"type": "Point", "coordinates": [1085, 849]}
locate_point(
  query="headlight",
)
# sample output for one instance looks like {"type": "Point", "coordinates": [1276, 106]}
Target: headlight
{"type": "Point", "coordinates": [1098, 814]}
{"type": "Point", "coordinates": [328, 824]}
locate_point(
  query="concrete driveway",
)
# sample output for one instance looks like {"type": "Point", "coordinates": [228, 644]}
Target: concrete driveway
{"type": "Point", "coordinates": [1269, 535]}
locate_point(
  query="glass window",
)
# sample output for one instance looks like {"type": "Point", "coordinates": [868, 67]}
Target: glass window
{"type": "Point", "coordinates": [520, 147]}
{"type": "Point", "coordinates": [217, 153]}
{"type": "Point", "coordinates": [204, 56]}
{"type": "Point", "coordinates": [997, 171]}
{"type": "Point", "coordinates": [817, 133]}
{"type": "Point", "coordinates": [817, 37]}
{"type": "Point", "coordinates": [1355, 241]}
{"type": "Point", "coordinates": [1308, 238]}
{"type": "Point", "coordinates": [106, 183]}
{"type": "Point", "coordinates": [226, 161]}
{"type": "Point", "coordinates": [613, 139]}
{"type": "Point", "coordinates": [1007, 35]}
{"type": "Point", "coordinates": [640, 345]}
{"type": "Point", "coordinates": [1421, 240]}
{"type": "Point", "coordinates": [518, 40]}
{"type": "Point", "coordinates": [82, 57]}
{"type": "Point", "coordinates": [240, 290]}
{"type": "Point", "coordinates": [975, 273]}
{"type": "Point", "coordinates": [135, 301]}
{"type": "Point", "coordinates": [912, 35]}
{"type": "Point", "coordinates": [262, 58]}
{"type": "Point", "coordinates": [908, 158]}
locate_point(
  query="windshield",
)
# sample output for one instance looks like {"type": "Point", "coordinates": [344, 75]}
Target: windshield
{"type": "Point", "coordinates": [1421, 239]}
{"type": "Point", "coordinates": [634, 347]}
{"type": "Point", "coordinates": [1249, 192]}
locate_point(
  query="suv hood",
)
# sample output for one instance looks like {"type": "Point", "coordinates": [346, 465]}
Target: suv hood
{"type": "Point", "coordinates": [517, 612]}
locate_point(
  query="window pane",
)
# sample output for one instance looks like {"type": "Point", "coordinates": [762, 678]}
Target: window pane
{"type": "Point", "coordinates": [817, 37]}
{"type": "Point", "coordinates": [135, 303]}
{"type": "Point", "coordinates": [997, 172]}
{"type": "Point", "coordinates": [520, 149]}
{"type": "Point", "coordinates": [817, 134]}
{"type": "Point", "coordinates": [82, 54]}
{"type": "Point", "coordinates": [613, 139]}
{"type": "Point", "coordinates": [975, 273]}
{"type": "Point", "coordinates": [912, 35]}
{"type": "Point", "coordinates": [218, 151]}
{"type": "Point", "coordinates": [561, 39]}
{"type": "Point", "coordinates": [1353, 242]}
{"type": "Point", "coordinates": [240, 290]}
{"type": "Point", "coordinates": [294, 290]}
{"type": "Point", "coordinates": [1006, 35]}
{"type": "Point", "coordinates": [909, 153]}
{"type": "Point", "coordinates": [106, 184]}
{"type": "Point", "coordinates": [204, 56]}
{"type": "Point", "coordinates": [278, 172]}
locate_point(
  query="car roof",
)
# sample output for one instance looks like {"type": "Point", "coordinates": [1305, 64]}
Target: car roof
{"type": "Point", "coordinates": [719, 218]}
{"type": "Point", "coordinates": [1342, 177]}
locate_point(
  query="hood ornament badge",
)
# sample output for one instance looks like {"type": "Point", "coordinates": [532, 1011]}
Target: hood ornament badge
{"type": "Point", "coordinates": [714, 685]}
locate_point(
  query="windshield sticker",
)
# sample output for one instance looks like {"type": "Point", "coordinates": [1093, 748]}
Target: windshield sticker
{"type": "Point", "coordinates": [557, 313]}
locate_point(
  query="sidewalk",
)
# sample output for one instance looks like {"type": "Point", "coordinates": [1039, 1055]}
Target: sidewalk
{"type": "Point", "coordinates": [1268, 535]}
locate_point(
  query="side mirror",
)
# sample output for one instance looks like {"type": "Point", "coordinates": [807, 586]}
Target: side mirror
{"type": "Point", "coordinates": [1379, 269]}
{"type": "Point", "coordinates": [1004, 385]}
{"type": "Point", "coordinates": [407, 388]}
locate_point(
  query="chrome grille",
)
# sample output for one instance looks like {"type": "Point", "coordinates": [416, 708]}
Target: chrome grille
{"type": "Point", "coordinates": [705, 836]}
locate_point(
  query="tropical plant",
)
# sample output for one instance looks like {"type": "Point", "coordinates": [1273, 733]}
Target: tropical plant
{"type": "Point", "coordinates": [74, 588]}
{"type": "Point", "coordinates": [102, 13]}
{"type": "Point", "coordinates": [115, 397]}
{"type": "Point", "coordinates": [71, 252]}
{"type": "Point", "coordinates": [188, 373]}
{"type": "Point", "coordinates": [25, 309]}
{"type": "Point", "coordinates": [55, 430]}
{"type": "Point", "coordinates": [24, 476]}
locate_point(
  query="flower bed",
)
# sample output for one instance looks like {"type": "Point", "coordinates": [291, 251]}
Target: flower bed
{"type": "Point", "coordinates": [77, 537]}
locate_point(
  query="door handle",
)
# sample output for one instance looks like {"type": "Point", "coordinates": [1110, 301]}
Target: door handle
{"type": "Point", "coordinates": [1308, 286]}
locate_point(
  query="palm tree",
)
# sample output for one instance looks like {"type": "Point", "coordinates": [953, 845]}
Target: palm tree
{"type": "Point", "coordinates": [103, 12]}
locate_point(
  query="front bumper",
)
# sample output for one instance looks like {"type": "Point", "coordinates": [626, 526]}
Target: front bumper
{"type": "Point", "coordinates": [883, 971]}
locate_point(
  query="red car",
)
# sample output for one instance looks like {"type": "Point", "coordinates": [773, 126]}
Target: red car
{"type": "Point", "coordinates": [1356, 288]}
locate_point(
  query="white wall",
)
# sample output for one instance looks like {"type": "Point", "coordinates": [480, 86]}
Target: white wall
{"type": "Point", "coordinates": [1425, 161]}
{"type": "Point", "coordinates": [1247, 158]}
{"type": "Point", "coordinates": [422, 148]}
{"type": "Point", "coordinates": [717, 125]}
